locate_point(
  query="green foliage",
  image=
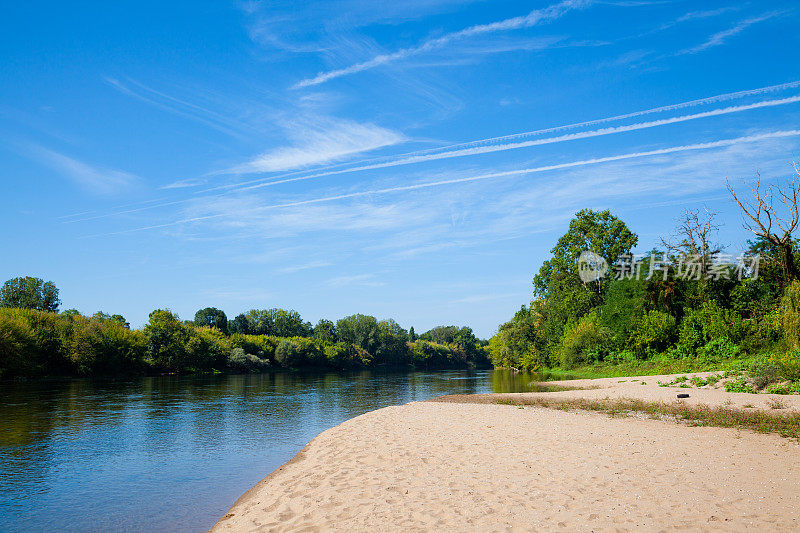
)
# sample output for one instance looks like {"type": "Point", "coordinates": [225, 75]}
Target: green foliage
{"type": "Point", "coordinates": [106, 347]}
{"type": "Point", "coordinates": [35, 343]}
{"type": "Point", "coordinates": [101, 316]}
{"type": "Point", "coordinates": [624, 301]}
{"type": "Point", "coordinates": [277, 322]}
{"type": "Point", "coordinates": [707, 323]}
{"type": "Point", "coordinates": [30, 293]}
{"type": "Point", "coordinates": [325, 330]}
{"type": "Point", "coordinates": [790, 315]}
{"type": "Point", "coordinates": [430, 355]}
{"type": "Point", "coordinates": [583, 342]}
{"type": "Point", "coordinates": [361, 330]}
{"type": "Point", "coordinates": [240, 324]}
{"type": "Point", "coordinates": [788, 364]}
{"type": "Point", "coordinates": [653, 332]}
{"type": "Point", "coordinates": [213, 318]}
{"type": "Point", "coordinates": [596, 231]}
{"type": "Point", "coordinates": [739, 385]}
{"type": "Point", "coordinates": [243, 363]}
{"type": "Point", "coordinates": [167, 340]}
{"type": "Point", "coordinates": [517, 343]}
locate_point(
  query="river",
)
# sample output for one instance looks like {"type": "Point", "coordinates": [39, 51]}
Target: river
{"type": "Point", "coordinates": [173, 453]}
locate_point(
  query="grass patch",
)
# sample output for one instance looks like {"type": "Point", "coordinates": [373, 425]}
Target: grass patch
{"type": "Point", "coordinates": [646, 368]}
{"type": "Point", "coordinates": [784, 424]}
{"type": "Point", "coordinates": [547, 387]}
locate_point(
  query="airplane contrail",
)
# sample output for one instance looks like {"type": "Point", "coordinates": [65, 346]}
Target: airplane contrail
{"type": "Point", "coordinates": [493, 175]}
{"type": "Point", "coordinates": [531, 19]}
{"type": "Point", "coordinates": [276, 180]}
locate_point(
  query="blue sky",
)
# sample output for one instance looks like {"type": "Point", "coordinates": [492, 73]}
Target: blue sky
{"type": "Point", "coordinates": [414, 160]}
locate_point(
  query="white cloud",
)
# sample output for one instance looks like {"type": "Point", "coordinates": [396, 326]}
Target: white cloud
{"type": "Point", "coordinates": [305, 266]}
{"type": "Point", "coordinates": [531, 19]}
{"type": "Point", "coordinates": [363, 280]}
{"type": "Point", "coordinates": [322, 141]}
{"type": "Point", "coordinates": [720, 37]}
{"type": "Point", "coordinates": [95, 179]}
{"type": "Point", "coordinates": [248, 210]}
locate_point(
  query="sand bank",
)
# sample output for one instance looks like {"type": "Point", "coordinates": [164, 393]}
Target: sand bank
{"type": "Point", "coordinates": [647, 388]}
{"type": "Point", "coordinates": [470, 467]}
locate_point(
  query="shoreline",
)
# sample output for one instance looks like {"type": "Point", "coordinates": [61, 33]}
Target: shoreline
{"type": "Point", "coordinates": [455, 463]}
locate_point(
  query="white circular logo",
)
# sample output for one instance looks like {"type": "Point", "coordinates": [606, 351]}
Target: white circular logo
{"type": "Point", "coordinates": [591, 266]}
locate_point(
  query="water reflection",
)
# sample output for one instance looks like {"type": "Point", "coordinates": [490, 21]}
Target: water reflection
{"type": "Point", "coordinates": [175, 452]}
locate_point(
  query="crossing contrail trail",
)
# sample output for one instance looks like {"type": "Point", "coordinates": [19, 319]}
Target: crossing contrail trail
{"type": "Point", "coordinates": [493, 175]}
{"type": "Point", "coordinates": [408, 159]}
{"type": "Point", "coordinates": [536, 142]}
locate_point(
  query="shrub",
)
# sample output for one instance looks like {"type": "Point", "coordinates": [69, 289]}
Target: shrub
{"type": "Point", "coordinates": [707, 323]}
{"type": "Point", "coordinates": [584, 342]}
{"type": "Point", "coordinates": [343, 355]}
{"type": "Point", "coordinates": [105, 347]}
{"type": "Point", "coordinates": [624, 301]}
{"type": "Point", "coordinates": [239, 361]}
{"type": "Point", "coordinates": [654, 332]}
{"type": "Point", "coordinates": [764, 371]}
{"type": "Point", "coordinates": [788, 364]}
{"type": "Point", "coordinates": [207, 349]}
{"type": "Point", "coordinates": [718, 350]}
{"type": "Point", "coordinates": [167, 340]}
{"type": "Point", "coordinates": [739, 385]}
{"type": "Point", "coordinates": [287, 353]}
{"type": "Point", "coordinates": [17, 346]}
{"type": "Point", "coordinates": [790, 315]}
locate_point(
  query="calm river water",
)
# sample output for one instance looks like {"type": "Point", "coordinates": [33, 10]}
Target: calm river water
{"type": "Point", "coordinates": [173, 453]}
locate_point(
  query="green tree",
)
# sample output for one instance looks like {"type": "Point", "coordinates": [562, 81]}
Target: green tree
{"type": "Point", "coordinates": [240, 324]}
{"type": "Point", "coordinates": [212, 317]}
{"type": "Point", "coordinates": [325, 330]}
{"type": "Point", "coordinates": [167, 340]}
{"type": "Point", "coordinates": [30, 293]}
{"type": "Point", "coordinates": [596, 231]}
{"type": "Point", "coordinates": [392, 338]}
{"type": "Point", "coordinates": [278, 322]}
{"type": "Point", "coordinates": [101, 316]}
{"type": "Point", "coordinates": [361, 330]}
{"type": "Point", "coordinates": [441, 334]}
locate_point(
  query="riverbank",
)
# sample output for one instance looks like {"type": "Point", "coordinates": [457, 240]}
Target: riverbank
{"type": "Point", "coordinates": [456, 466]}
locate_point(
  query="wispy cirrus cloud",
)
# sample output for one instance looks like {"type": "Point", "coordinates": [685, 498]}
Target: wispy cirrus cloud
{"type": "Point", "coordinates": [719, 38]}
{"type": "Point", "coordinates": [322, 141]}
{"type": "Point", "coordinates": [237, 213]}
{"type": "Point", "coordinates": [180, 106]}
{"type": "Point", "coordinates": [363, 280]}
{"type": "Point", "coordinates": [95, 179]}
{"type": "Point", "coordinates": [304, 266]}
{"type": "Point", "coordinates": [500, 144]}
{"type": "Point", "coordinates": [533, 18]}
{"type": "Point", "coordinates": [493, 144]}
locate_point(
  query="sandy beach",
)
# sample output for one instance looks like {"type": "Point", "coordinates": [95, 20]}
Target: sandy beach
{"type": "Point", "coordinates": [485, 467]}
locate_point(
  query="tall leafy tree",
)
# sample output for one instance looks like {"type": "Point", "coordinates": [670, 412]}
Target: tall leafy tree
{"type": "Point", "coordinates": [167, 340]}
{"type": "Point", "coordinates": [240, 324]}
{"type": "Point", "coordinates": [595, 231]}
{"type": "Point", "coordinates": [325, 330]}
{"type": "Point", "coordinates": [30, 293]}
{"type": "Point", "coordinates": [213, 317]}
{"type": "Point", "coordinates": [361, 330]}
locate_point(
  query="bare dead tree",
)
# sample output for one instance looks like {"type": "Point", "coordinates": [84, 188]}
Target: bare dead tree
{"type": "Point", "coordinates": [692, 238]}
{"type": "Point", "coordinates": [763, 215]}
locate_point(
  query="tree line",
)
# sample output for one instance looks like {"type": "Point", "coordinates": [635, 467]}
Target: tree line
{"type": "Point", "coordinates": [37, 340]}
{"type": "Point", "coordinates": [660, 319]}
